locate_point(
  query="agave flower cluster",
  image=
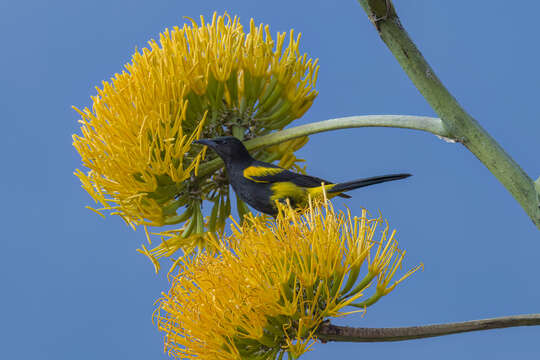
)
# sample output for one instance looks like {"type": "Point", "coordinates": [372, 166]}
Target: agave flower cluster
{"type": "Point", "coordinates": [264, 290]}
{"type": "Point", "coordinates": [205, 80]}
{"type": "Point", "coordinates": [273, 283]}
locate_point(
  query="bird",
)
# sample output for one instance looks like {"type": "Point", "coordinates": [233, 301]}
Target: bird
{"type": "Point", "coordinates": [261, 184]}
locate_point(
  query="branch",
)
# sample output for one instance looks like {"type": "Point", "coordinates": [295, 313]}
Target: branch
{"type": "Point", "coordinates": [329, 332]}
{"type": "Point", "coordinates": [460, 124]}
{"type": "Point", "coordinates": [429, 124]}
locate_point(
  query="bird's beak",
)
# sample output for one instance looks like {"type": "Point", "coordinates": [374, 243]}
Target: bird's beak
{"type": "Point", "coordinates": [207, 142]}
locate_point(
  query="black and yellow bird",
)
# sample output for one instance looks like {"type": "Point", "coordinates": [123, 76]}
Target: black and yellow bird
{"type": "Point", "coordinates": [261, 184]}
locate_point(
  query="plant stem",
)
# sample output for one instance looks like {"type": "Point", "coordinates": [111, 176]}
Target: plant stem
{"type": "Point", "coordinates": [429, 124]}
{"type": "Point", "coordinates": [329, 332]}
{"type": "Point", "coordinates": [460, 124]}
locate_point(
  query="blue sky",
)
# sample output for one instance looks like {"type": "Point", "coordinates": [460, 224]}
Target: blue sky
{"type": "Point", "coordinates": [73, 285]}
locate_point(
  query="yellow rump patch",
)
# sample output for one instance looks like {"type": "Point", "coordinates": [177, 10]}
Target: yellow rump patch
{"type": "Point", "coordinates": [298, 194]}
{"type": "Point", "coordinates": [288, 190]}
{"type": "Point", "coordinates": [316, 192]}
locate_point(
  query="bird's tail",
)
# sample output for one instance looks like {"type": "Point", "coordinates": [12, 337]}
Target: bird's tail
{"type": "Point", "coordinates": [350, 185]}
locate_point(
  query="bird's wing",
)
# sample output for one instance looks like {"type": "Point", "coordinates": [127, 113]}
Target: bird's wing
{"type": "Point", "coordinates": [269, 173]}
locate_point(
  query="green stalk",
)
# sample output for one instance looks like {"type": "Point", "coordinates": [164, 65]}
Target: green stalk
{"type": "Point", "coordinates": [361, 286]}
{"type": "Point", "coordinates": [458, 122]}
{"type": "Point", "coordinates": [429, 124]}
{"type": "Point", "coordinates": [372, 300]}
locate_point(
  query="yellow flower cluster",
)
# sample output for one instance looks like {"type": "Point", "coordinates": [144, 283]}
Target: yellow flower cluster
{"type": "Point", "coordinates": [205, 80]}
{"type": "Point", "coordinates": [271, 284]}
{"type": "Point", "coordinates": [263, 291]}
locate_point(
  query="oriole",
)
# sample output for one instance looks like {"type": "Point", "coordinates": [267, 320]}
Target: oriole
{"type": "Point", "coordinates": [261, 184]}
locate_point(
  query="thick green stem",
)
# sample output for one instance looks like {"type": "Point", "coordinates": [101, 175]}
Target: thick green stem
{"type": "Point", "coordinates": [329, 332]}
{"type": "Point", "coordinates": [429, 124]}
{"type": "Point", "coordinates": [460, 124]}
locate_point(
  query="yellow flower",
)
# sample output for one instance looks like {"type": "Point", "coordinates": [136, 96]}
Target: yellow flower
{"type": "Point", "coordinates": [272, 284]}
{"type": "Point", "coordinates": [205, 80]}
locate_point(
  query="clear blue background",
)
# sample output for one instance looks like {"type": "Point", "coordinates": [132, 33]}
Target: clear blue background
{"type": "Point", "coordinates": [73, 285]}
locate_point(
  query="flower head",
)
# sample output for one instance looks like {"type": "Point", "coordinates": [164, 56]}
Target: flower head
{"type": "Point", "coordinates": [205, 80]}
{"type": "Point", "coordinates": [272, 284]}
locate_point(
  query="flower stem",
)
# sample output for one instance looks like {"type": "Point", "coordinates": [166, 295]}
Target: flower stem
{"type": "Point", "coordinates": [457, 121]}
{"type": "Point", "coordinates": [329, 332]}
{"type": "Point", "coordinates": [429, 124]}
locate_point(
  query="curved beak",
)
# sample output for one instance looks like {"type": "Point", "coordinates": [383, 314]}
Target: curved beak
{"type": "Point", "coordinates": [207, 142]}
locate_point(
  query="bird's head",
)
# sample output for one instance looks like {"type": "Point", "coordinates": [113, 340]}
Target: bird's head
{"type": "Point", "coordinates": [228, 148]}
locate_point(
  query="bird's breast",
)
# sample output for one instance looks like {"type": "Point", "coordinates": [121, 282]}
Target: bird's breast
{"type": "Point", "coordinates": [257, 195]}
